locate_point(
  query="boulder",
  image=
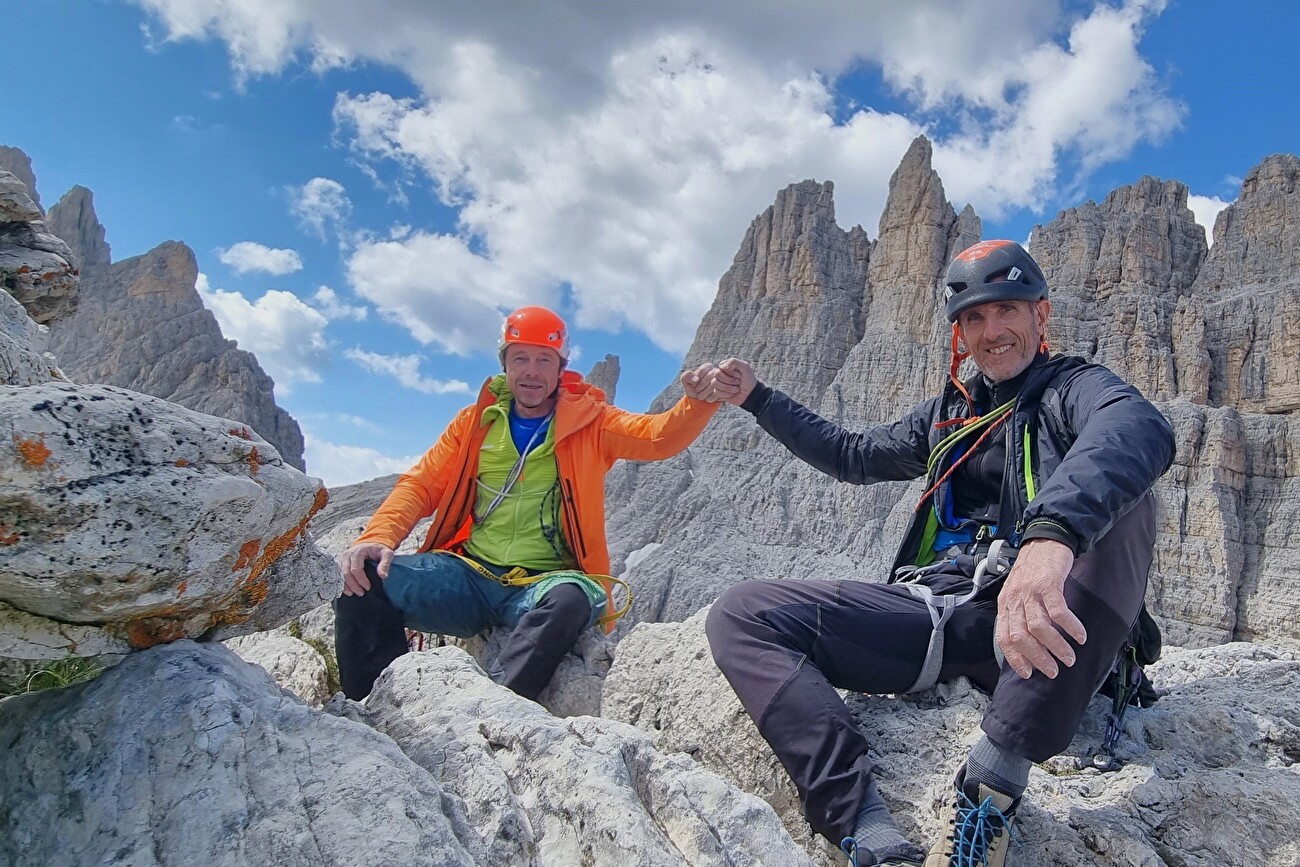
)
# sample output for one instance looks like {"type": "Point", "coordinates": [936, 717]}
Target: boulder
{"type": "Point", "coordinates": [22, 358]}
{"type": "Point", "coordinates": [541, 790]}
{"type": "Point", "coordinates": [185, 754]}
{"type": "Point", "coordinates": [148, 522]}
{"type": "Point", "coordinates": [293, 663]}
{"type": "Point", "coordinates": [36, 267]}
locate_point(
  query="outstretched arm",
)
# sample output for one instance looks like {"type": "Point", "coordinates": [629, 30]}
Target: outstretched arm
{"type": "Point", "coordinates": [655, 436]}
{"type": "Point", "coordinates": [886, 452]}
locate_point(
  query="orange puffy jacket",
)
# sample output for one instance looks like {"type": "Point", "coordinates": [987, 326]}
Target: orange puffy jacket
{"type": "Point", "coordinates": [590, 435]}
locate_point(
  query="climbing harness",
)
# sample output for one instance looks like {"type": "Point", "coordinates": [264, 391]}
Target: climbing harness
{"type": "Point", "coordinates": [991, 567]}
{"type": "Point", "coordinates": [521, 577]}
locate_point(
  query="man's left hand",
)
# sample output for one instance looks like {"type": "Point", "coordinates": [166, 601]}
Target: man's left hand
{"type": "Point", "coordinates": [1032, 612]}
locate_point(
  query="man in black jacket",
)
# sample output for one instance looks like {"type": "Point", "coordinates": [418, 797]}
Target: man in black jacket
{"type": "Point", "coordinates": [1024, 567]}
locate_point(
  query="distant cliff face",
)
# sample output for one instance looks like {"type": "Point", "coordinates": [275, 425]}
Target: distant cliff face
{"type": "Point", "coordinates": [853, 330]}
{"type": "Point", "coordinates": [140, 323]}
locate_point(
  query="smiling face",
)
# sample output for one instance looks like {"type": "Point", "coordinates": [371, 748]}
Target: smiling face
{"type": "Point", "coordinates": [1003, 336]}
{"type": "Point", "coordinates": [532, 374]}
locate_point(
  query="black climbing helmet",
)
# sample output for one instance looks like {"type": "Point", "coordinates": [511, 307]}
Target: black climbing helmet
{"type": "Point", "coordinates": [991, 271]}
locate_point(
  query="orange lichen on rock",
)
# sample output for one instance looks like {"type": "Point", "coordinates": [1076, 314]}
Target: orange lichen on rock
{"type": "Point", "coordinates": [153, 630]}
{"type": "Point", "coordinates": [182, 587]}
{"type": "Point", "coordinates": [254, 460]}
{"type": "Point", "coordinates": [181, 462]}
{"type": "Point", "coordinates": [7, 537]}
{"type": "Point", "coordinates": [34, 451]}
{"type": "Point", "coordinates": [247, 552]}
{"type": "Point", "coordinates": [242, 432]}
{"type": "Point", "coordinates": [277, 547]}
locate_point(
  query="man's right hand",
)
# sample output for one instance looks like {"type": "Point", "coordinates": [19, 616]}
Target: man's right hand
{"type": "Point", "coordinates": [352, 563]}
{"type": "Point", "coordinates": [734, 380]}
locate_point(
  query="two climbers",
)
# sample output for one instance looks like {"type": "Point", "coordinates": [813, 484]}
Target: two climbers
{"type": "Point", "coordinates": [516, 488]}
{"type": "Point", "coordinates": [1033, 539]}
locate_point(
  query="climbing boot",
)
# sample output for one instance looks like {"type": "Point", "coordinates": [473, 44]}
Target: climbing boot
{"type": "Point", "coordinates": [979, 833]}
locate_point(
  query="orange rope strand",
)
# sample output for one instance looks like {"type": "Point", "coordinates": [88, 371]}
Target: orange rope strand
{"type": "Point", "coordinates": [957, 358]}
{"type": "Point", "coordinates": [957, 463]}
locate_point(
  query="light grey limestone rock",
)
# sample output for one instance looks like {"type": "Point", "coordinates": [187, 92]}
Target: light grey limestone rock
{"type": "Point", "coordinates": [604, 375]}
{"type": "Point", "coordinates": [16, 161]}
{"type": "Point", "coordinates": [1208, 773]}
{"type": "Point", "coordinates": [149, 521]}
{"type": "Point", "coordinates": [1118, 273]}
{"type": "Point", "coordinates": [1248, 294]}
{"type": "Point", "coordinates": [294, 664]}
{"type": "Point", "coordinates": [23, 360]}
{"type": "Point", "coordinates": [16, 206]}
{"type": "Point", "coordinates": [184, 754]}
{"type": "Point", "coordinates": [35, 266]}
{"type": "Point", "coordinates": [140, 324]}
{"type": "Point", "coordinates": [73, 219]}
{"type": "Point", "coordinates": [541, 790]}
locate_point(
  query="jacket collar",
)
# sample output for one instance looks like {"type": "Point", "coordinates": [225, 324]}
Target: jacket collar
{"type": "Point", "coordinates": [577, 404]}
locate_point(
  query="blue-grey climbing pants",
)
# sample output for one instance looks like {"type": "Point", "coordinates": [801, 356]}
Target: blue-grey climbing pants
{"type": "Point", "coordinates": [442, 594]}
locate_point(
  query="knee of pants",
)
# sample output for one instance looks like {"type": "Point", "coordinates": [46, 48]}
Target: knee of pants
{"type": "Point", "coordinates": [373, 601]}
{"type": "Point", "coordinates": [725, 614]}
{"type": "Point", "coordinates": [566, 602]}
{"type": "Point", "coordinates": [753, 617]}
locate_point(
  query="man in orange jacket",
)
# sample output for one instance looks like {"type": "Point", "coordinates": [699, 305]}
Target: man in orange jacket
{"type": "Point", "coordinates": [516, 488]}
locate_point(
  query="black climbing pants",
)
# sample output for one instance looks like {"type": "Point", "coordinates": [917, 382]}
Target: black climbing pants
{"type": "Point", "coordinates": [440, 593]}
{"type": "Point", "coordinates": [785, 645]}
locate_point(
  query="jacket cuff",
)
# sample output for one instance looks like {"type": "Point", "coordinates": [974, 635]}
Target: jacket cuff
{"type": "Point", "coordinates": [1045, 529]}
{"type": "Point", "coordinates": [758, 398]}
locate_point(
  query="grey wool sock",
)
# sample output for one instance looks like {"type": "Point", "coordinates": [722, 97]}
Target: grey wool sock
{"type": "Point", "coordinates": [875, 830]}
{"type": "Point", "coordinates": [991, 765]}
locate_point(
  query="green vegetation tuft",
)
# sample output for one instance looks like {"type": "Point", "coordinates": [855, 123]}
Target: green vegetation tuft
{"type": "Point", "coordinates": [56, 674]}
{"type": "Point", "coordinates": [331, 664]}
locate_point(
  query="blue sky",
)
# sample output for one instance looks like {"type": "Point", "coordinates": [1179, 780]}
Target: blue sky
{"type": "Point", "coordinates": [369, 186]}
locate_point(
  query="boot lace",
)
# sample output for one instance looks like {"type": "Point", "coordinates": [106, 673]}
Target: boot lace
{"type": "Point", "coordinates": [975, 829]}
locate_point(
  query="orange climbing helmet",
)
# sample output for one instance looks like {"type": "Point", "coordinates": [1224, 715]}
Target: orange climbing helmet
{"type": "Point", "coordinates": [535, 326]}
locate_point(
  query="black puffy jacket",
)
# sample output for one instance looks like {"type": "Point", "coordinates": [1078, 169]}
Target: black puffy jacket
{"type": "Point", "coordinates": [1095, 446]}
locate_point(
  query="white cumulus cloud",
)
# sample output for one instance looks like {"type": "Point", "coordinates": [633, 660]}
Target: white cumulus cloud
{"type": "Point", "coordinates": [248, 256]}
{"type": "Point", "coordinates": [286, 335]}
{"type": "Point", "coordinates": [1206, 210]}
{"type": "Point", "coordinates": [406, 370]}
{"type": "Point", "coordinates": [327, 301]}
{"type": "Point", "coordinates": [321, 204]}
{"type": "Point", "coordinates": [611, 156]}
{"type": "Point", "coordinates": [339, 465]}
